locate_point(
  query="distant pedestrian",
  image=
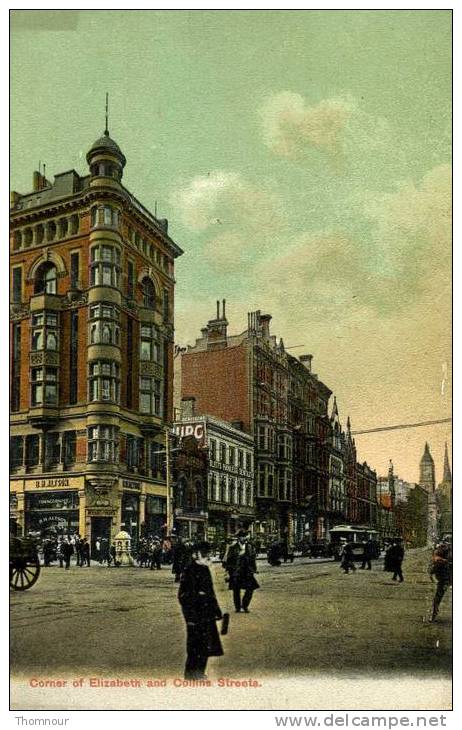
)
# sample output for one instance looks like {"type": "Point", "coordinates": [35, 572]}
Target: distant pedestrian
{"type": "Point", "coordinates": [241, 565]}
{"type": "Point", "coordinates": [396, 557]}
{"type": "Point", "coordinates": [347, 558]}
{"type": "Point", "coordinates": [156, 555]}
{"type": "Point", "coordinates": [98, 550]}
{"type": "Point", "coordinates": [201, 612]}
{"type": "Point", "coordinates": [113, 557]}
{"type": "Point", "coordinates": [441, 569]}
{"type": "Point", "coordinates": [104, 550]}
{"type": "Point", "coordinates": [368, 554]}
{"type": "Point", "coordinates": [78, 549]}
{"type": "Point", "coordinates": [59, 552]}
{"type": "Point", "coordinates": [67, 550]}
{"type": "Point", "coordinates": [85, 553]}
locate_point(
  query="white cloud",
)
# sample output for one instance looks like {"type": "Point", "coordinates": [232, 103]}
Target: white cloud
{"type": "Point", "coordinates": [336, 126]}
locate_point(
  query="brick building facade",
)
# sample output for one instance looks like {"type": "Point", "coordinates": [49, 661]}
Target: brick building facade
{"type": "Point", "coordinates": [92, 283]}
{"type": "Point", "coordinates": [305, 465]}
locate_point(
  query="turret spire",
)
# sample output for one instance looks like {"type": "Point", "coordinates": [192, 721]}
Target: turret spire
{"type": "Point", "coordinates": [447, 476]}
{"type": "Point", "coordinates": [106, 128]}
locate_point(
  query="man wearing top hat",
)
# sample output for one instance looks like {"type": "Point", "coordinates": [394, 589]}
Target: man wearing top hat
{"type": "Point", "coordinates": [240, 563]}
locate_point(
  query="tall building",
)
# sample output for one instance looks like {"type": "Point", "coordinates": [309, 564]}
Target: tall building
{"type": "Point", "coordinates": [92, 283]}
{"type": "Point", "coordinates": [305, 465]}
{"type": "Point", "coordinates": [427, 481]}
{"type": "Point", "coordinates": [444, 498]}
{"type": "Point", "coordinates": [230, 483]}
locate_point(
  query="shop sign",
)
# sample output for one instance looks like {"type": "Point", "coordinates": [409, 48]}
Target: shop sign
{"type": "Point", "coordinates": [197, 430]}
{"type": "Point", "coordinates": [54, 483]}
{"type": "Point", "coordinates": [131, 484]}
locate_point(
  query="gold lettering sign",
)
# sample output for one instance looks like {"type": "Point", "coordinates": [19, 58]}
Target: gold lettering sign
{"type": "Point", "coordinates": [54, 483]}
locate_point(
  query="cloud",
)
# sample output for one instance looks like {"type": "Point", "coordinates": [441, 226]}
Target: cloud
{"type": "Point", "coordinates": [337, 126]}
{"type": "Point", "coordinates": [223, 198]}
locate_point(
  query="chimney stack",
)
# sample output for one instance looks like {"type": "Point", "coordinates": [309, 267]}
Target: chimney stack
{"type": "Point", "coordinates": [306, 360]}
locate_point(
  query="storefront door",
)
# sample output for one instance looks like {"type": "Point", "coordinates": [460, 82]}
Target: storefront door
{"type": "Point", "coordinates": [100, 528]}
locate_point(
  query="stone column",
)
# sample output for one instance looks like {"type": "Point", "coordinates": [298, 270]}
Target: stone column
{"type": "Point", "coordinates": [82, 513]}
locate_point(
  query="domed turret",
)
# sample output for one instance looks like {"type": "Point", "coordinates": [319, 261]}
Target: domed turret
{"type": "Point", "coordinates": [105, 158]}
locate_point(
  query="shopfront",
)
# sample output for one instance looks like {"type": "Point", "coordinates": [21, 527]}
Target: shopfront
{"type": "Point", "coordinates": [155, 515]}
{"type": "Point", "coordinates": [54, 512]}
{"type": "Point", "coordinates": [130, 514]}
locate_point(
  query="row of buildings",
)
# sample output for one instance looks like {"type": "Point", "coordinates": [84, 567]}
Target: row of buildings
{"type": "Point", "coordinates": [95, 445]}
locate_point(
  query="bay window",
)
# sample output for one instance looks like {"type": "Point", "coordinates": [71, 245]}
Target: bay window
{"type": "Point", "coordinates": [103, 444]}
{"type": "Point", "coordinates": [44, 331]}
{"type": "Point", "coordinates": [104, 266]}
{"type": "Point", "coordinates": [44, 386]}
{"type": "Point", "coordinates": [104, 381]}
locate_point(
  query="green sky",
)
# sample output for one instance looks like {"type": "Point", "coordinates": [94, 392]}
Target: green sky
{"type": "Point", "coordinates": [303, 160]}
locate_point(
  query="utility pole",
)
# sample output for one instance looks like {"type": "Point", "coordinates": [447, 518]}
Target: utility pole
{"type": "Point", "coordinates": [167, 480]}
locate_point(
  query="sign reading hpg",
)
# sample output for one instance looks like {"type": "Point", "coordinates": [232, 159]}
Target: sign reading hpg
{"type": "Point", "coordinates": [197, 430]}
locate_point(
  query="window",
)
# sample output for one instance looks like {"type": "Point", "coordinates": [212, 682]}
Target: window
{"type": "Point", "coordinates": [104, 266]}
{"type": "Point", "coordinates": [46, 279]}
{"type": "Point", "coordinates": [166, 306]}
{"type": "Point", "coordinates": [44, 383]}
{"type": "Point", "coordinates": [213, 450]}
{"type": "Point", "coordinates": [69, 447]}
{"type": "Point", "coordinates": [75, 270]}
{"type": "Point", "coordinates": [104, 381]}
{"type": "Point", "coordinates": [129, 384]}
{"type": "Point", "coordinates": [44, 331]}
{"type": "Point", "coordinates": [74, 224]}
{"type": "Point", "coordinates": [73, 357]}
{"type": "Point", "coordinates": [16, 368]}
{"type": "Point", "coordinates": [157, 458]}
{"type": "Point", "coordinates": [149, 293]}
{"type": "Point", "coordinates": [104, 215]}
{"type": "Point", "coordinates": [17, 285]}
{"type": "Point", "coordinates": [52, 449]}
{"type": "Point", "coordinates": [150, 350]}
{"type": "Point", "coordinates": [104, 327]}
{"type": "Point", "coordinates": [16, 451]}
{"type": "Point", "coordinates": [17, 240]}
{"type": "Point", "coordinates": [223, 453]}
{"type": "Point", "coordinates": [232, 491]}
{"type": "Point", "coordinates": [63, 227]}
{"type": "Point", "coordinates": [32, 450]}
{"type": "Point", "coordinates": [150, 395]}
{"type": "Point", "coordinates": [232, 455]}
{"type": "Point", "coordinates": [135, 453]}
{"type": "Point", "coordinates": [28, 237]}
{"type": "Point", "coordinates": [248, 461]}
{"type": "Point", "coordinates": [240, 459]}
{"type": "Point", "coordinates": [130, 279]}
{"type": "Point", "coordinates": [103, 444]}
{"type": "Point", "coordinates": [51, 231]}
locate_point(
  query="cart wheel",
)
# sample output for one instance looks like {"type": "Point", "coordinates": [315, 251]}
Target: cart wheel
{"type": "Point", "coordinates": [24, 573]}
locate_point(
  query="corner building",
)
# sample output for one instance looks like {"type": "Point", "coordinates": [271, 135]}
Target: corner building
{"type": "Point", "coordinates": [92, 284]}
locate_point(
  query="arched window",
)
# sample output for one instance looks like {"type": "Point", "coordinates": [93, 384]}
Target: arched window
{"type": "Point", "coordinates": [46, 279]}
{"type": "Point", "coordinates": [191, 497]}
{"type": "Point", "coordinates": [149, 293]}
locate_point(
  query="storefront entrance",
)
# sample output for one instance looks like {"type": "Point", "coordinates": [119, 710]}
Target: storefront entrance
{"type": "Point", "coordinates": [52, 512]}
{"type": "Point", "coordinates": [100, 528]}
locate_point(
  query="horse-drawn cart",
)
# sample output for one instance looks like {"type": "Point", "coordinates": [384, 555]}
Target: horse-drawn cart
{"type": "Point", "coordinates": [24, 563]}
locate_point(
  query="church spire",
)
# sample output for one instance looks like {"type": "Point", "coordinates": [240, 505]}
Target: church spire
{"type": "Point", "coordinates": [447, 476]}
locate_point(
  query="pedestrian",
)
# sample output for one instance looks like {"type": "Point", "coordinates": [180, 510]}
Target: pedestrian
{"type": "Point", "coordinates": [85, 553]}
{"type": "Point", "coordinates": [59, 552]}
{"type": "Point", "coordinates": [396, 557]}
{"type": "Point", "coordinates": [156, 558]}
{"type": "Point", "coordinates": [104, 550]}
{"type": "Point", "coordinates": [67, 550]}
{"type": "Point", "coordinates": [181, 558]}
{"type": "Point", "coordinates": [78, 549]}
{"type": "Point", "coordinates": [368, 554]}
{"type": "Point", "coordinates": [274, 554]}
{"type": "Point", "coordinates": [347, 558]}
{"type": "Point", "coordinates": [98, 550]}
{"type": "Point", "coordinates": [241, 565]}
{"type": "Point", "coordinates": [113, 557]}
{"type": "Point", "coordinates": [441, 569]}
{"type": "Point", "coordinates": [201, 612]}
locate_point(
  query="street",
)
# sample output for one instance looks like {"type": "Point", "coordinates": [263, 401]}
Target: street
{"type": "Point", "coordinates": [307, 618]}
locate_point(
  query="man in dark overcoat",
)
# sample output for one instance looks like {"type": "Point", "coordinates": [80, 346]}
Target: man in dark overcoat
{"type": "Point", "coordinates": [181, 558]}
{"type": "Point", "coordinates": [441, 569]}
{"type": "Point", "coordinates": [240, 563]}
{"type": "Point", "coordinates": [396, 557]}
{"type": "Point", "coordinates": [368, 554]}
{"type": "Point", "coordinates": [67, 549]}
{"type": "Point", "coordinates": [201, 612]}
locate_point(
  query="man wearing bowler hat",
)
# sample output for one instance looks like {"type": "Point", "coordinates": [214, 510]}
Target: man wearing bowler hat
{"type": "Point", "coordinates": [240, 563]}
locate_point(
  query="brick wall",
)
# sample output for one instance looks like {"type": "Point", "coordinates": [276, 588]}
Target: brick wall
{"type": "Point", "coordinates": [218, 380]}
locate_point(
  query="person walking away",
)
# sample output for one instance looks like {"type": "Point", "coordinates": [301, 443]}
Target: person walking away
{"type": "Point", "coordinates": [78, 550]}
{"type": "Point", "coordinates": [241, 566]}
{"type": "Point", "coordinates": [104, 550]}
{"type": "Point", "coordinates": [112, 557]}
{"type": "Point", "coordinates": [441, 569]}
{"type": "Point", "coordinates": [347, 558]}
{"type": "Point", "coordinates": [368, 555]}
{"type": "Point", "coordinates": [67, 550]}
{"type": "Point", "coordinates": [201, 611]}
{"type": "Point", "coordinates": [397, 557]}
{"type": "Point", "coordinates": [156, 555]}
{"type": "Point", "coordinates": [85, 553]}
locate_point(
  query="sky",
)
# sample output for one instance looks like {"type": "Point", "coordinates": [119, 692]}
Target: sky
{"type": "Point", "coordinates": [303, 159]}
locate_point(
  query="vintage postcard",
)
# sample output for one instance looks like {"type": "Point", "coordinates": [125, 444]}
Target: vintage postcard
{"type": "Point", "coordinates": [230, 360]}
